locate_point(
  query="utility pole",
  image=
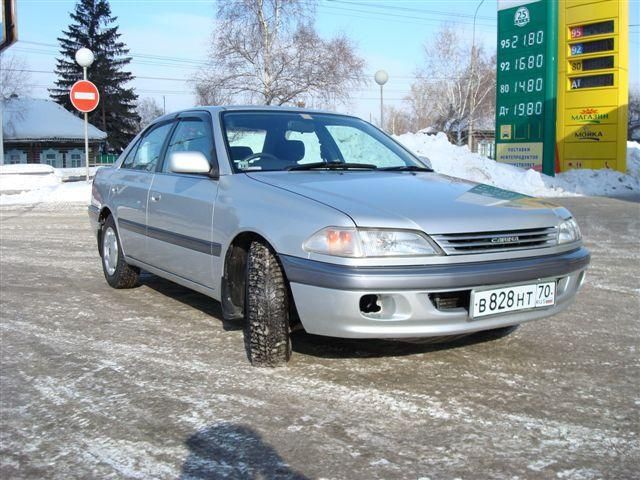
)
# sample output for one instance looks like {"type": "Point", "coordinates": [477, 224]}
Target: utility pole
{"type": "Point", "coordinates": [472, 100]}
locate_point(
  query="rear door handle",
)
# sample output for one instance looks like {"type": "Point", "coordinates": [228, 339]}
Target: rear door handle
{"type": "Point", "coordinates": [156, 197]}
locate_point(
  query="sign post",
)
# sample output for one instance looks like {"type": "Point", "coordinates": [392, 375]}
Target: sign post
{"type": "Point", "coordinates": [85, 97]}
{"type": "Point", "coordinates": [526, 84]}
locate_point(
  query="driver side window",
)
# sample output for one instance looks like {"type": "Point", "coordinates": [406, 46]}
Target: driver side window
{"type": "Point", "coordinates": [191, 135]}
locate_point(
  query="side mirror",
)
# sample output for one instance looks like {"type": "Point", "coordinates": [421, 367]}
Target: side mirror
{"type": "Point", "coordinates": [189, 162]}
{"type": "Point", "coordinates": [426, 161]}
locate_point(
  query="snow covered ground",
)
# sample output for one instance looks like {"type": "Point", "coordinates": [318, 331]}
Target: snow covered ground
{"type": "Point", "coordinates": [31, 184]}
{"type": "Point", "coordinates": [152, 383]}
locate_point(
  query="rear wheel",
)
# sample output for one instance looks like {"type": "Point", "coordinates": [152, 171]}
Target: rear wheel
{"type": "Point", "coordinates": [117, 272]}
{"type": "Point", "coordinates": [266, 309]}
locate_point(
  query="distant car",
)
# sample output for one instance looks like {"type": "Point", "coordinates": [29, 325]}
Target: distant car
{"type": "Point", "coordinates": [291, 217]}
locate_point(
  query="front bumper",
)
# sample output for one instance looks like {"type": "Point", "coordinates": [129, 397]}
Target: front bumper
{"type": "Point", "coordinates": [327, 296]}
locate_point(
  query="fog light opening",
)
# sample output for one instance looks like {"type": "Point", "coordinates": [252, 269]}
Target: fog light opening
{"type": "Point", "coordinates": [370, 304]}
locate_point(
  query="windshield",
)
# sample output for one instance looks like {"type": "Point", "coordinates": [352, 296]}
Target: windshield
{"type": "Point", "coordinates": [272, 141]}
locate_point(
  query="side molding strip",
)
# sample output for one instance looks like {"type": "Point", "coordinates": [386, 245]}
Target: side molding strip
{"type": "Point", "coordinates": [184, 241]}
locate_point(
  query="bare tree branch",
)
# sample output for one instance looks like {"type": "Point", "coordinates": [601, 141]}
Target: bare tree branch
{"type": "Point", "coordinates": [15, 80]}
{"type": "Point", "coordinates": [453, 86]}
{"type": "Point", "coordinates": [267, 51]}
{"type": "Point", "coordinates": [148, 110]}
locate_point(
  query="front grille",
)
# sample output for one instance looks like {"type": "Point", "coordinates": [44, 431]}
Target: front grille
{"type": "Point", "coordinates": [486, 242]}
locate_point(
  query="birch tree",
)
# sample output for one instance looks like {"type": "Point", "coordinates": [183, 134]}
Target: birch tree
{"type": "Point", "coordinates": [268, 52]}
{"type": "Point", "coordinates": [454, 86]}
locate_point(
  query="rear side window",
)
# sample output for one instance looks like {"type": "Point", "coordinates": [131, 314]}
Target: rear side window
{"type": "Point", "coordinates": [150, 148]}
{"type": "Point", "coordinates": [191, 135]}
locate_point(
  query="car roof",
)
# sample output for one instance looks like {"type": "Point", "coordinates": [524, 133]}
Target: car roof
{"type": "Point", "coordinates": [249, 108]}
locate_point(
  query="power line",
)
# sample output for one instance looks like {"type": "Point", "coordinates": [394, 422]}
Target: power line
{"type": "Point", "coordinates": [182, 92]}
{"type": "Point", "coordinates": [157, 63]}
{"type": "Point", "coordinates": [184, 80]}
{"type": "Point", "coordinates": [391, 17]}
{"type": "Point", "coordinates": [386, 7]}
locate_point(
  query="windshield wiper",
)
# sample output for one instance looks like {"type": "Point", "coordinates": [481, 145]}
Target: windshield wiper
{"type": "Point", "coordinates": [406, 168]}
{"type": "Point", "coordinates": [332, 166]}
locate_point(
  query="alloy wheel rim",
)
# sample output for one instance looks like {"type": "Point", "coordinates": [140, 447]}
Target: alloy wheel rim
{"type": "Point", "coordinates": [110, 251]}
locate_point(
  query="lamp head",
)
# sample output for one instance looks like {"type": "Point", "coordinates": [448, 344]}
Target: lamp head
{"type": "Point", "coordinates": [84, 57]}
{"type": "Point", "coordinates": [381, 77]}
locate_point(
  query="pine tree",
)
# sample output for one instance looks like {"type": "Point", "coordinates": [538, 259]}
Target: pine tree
{"type": "Point", "coordinates": [93, 27]}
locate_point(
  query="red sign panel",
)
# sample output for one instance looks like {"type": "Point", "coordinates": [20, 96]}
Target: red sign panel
{"type": "Point", "coordinates": [84, 96]}
{"type": "Point", "coordinates": [577, 32]}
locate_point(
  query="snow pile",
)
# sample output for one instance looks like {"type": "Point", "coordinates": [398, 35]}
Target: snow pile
{"type": "Point", "coordinates": [455, 161]}
{"type": "Point", "coordinates": [17, 178]}
{"type": "Point", "coordinates": [26, 169]}
{"type": "Point", "coordinates": [75, 173]}
{"type": "Point", "coordinates": [35, 183]}
{"type": "Point", "coordinates": [71, 192]}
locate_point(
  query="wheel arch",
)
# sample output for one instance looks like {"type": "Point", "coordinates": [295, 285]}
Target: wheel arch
{"type": "Point", "coordinates": [102, 217]}
{"type": "Point", "coordinates": [233, 282]}
{"type": "Point", "coordinates": [232, 286]}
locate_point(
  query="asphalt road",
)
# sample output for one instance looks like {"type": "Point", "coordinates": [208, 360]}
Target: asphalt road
{"type": "Point", "coordinates": [150, 383]}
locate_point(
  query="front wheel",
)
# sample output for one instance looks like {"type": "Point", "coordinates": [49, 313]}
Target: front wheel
{"type": "Point", "coordinates": [117, 272]}
{"type": "Point", "coordinates": [266, 309]}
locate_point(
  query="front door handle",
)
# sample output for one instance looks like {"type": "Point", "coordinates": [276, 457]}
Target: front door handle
{"type": "Point", "coordinates": [156, 197]}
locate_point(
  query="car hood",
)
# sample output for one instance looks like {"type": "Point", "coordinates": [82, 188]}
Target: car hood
{"type": "Point", "coordinates": [429, 202]}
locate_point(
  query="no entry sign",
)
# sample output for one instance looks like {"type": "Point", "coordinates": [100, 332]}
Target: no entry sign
{"type": "Point", "coordinates": [84, 96]}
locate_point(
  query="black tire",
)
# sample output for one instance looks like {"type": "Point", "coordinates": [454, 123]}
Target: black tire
{"type": "Point", "coordinates": [123, 275]}
{"type": "Point", "coordinates": [267, 332]}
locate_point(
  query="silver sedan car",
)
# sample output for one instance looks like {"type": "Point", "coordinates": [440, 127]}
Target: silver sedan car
{"type": "Point", "coordinates": [294, 218]}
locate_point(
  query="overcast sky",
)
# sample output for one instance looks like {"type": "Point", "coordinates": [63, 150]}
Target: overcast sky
{"type": "Point", "coordinates": [168, 40]}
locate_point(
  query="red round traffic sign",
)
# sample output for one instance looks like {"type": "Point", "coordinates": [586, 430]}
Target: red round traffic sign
{"type": "Point", "coordinates": [84, 96]}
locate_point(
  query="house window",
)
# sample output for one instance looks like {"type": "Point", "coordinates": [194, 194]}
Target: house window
{"type": "Point", "coordinates": [75, 158]}
{"type": "Point", "coordinates": [14, 156]}
{"type": "Point", "coordinates": [486, 148]}
{"type": "Point", "coordinates": [52, 157]}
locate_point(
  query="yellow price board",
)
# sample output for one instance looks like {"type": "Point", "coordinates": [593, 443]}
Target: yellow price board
{"type": "Point", "coordinates": [593, 84]}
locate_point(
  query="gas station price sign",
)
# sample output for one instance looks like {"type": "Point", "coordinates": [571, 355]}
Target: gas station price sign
{"type": "Point", "coordinates": [593, 59]}
{"type": "Point", "coordinates": [523, 83]}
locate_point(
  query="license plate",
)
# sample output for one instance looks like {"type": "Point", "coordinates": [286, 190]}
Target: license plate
{"type": "Point", "coordinates": [511, 299]}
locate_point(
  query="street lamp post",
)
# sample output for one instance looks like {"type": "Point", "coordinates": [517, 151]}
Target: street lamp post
{"type": "Point", "coordinates": [473, 64]}
{"type": "Point", "coordinates": [84, 58]}
{"type": "Point", "coordinates": [381, 77]}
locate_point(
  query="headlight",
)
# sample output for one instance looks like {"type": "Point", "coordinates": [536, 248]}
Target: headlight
{"type": "Point", "coordinates": [568, 232]}
{"type": "Point", "coordinates": [352, 242]}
